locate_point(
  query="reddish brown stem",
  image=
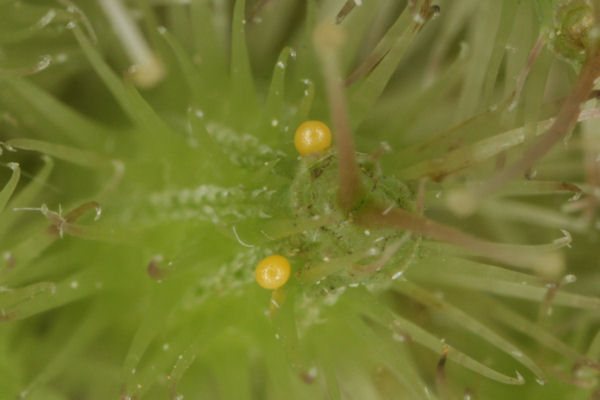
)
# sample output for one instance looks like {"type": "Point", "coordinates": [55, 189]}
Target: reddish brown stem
{"type": "Point", "coordinates": [535, 52]}
{"type": "Point", "coordinates": [377, 216]}
{"type": "Point", "coordinates": [346, 9]}
{"type": "Point", "coordinates": [350, 186]}
{"type": "Point", "coordinates": [564, 123]}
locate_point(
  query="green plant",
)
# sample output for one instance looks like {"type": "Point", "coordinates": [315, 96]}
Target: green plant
{"type": "Point", "coordinates": [129, 246]}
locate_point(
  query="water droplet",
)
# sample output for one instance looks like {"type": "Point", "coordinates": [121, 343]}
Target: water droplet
{"type": "Point", "coordinates": [520, 377]}
{"type": "Point", "coordinates": [98, 213]}
{"type": "Point", "coordinates": [274, 122]}
{"type": "Point", "coordinates": [61, 58]}
{"type": "Point", "coordinates": [47, 18]}
{"type": "Point", "coordinates": [11, 119]}
{"type": "Point", "coordinates": [44, 63]}
{"type": "Point", "coordinates": [541, 382]}
{"type": "Point", "coordinates": [418, 18]}
{"type": "Point", "coordinates": [575, 197]}
{"type": "Point", "coordinates": [397, 275]}
{"type": "Point", "coordinates": [280, 64]}
{"type": "Point", "coordinates": [398, 337]}
{"type": "Point", "coordinates": [74, 284]}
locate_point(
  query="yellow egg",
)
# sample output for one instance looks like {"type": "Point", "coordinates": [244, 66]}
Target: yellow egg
{"type": "Point", "coordinates": [272, 272]}
{"type": "Point", "coordinates": [312, 137]}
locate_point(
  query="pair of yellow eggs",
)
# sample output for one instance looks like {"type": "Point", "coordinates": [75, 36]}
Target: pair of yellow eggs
{"type": "Point", "coordinates": [310, 137]}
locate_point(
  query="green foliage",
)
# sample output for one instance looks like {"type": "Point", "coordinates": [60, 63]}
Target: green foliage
{"type": "Point", "coordinates": [167, 172]}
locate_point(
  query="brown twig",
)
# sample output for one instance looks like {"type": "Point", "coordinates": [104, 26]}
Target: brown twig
{"type": "Point", "coordinates": [346, 9]}
{"type": "Point", "coordinates": [328, 39]}
{"type": "Point", "coordinates": [564, 123]}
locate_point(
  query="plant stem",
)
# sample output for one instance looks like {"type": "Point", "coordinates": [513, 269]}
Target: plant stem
{"type": "Point", "coordinates": [562, 125]}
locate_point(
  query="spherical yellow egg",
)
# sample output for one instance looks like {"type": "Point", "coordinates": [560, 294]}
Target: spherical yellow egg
{"type": "Point", "coordinates": [312, 137]}
{"type": "Point", "coordinates": [272, 272]}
